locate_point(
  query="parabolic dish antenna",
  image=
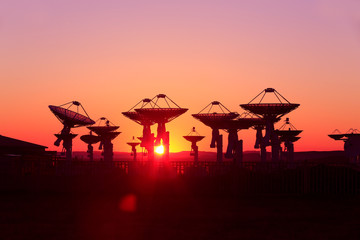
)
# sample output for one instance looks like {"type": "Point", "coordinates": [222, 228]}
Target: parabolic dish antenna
{"type": "Point", "coordinates": [215, 112]}
{"type": "Point", "coordinates": [133, 143]}
{"type": "Point", "coordinates": [277, 110]}
{"type": "Point", "coordinates": [160, 109]}
{"type": "Point", "coordinates": [271, 111]}
{"type": "Point", "coordinates": [90, 139]}
{"type": "Point", "coordinates": [287, 131]}
{"type": "Point", "coordinates": [137, 117]}
{"type": "Point", "coordinates": [194, 137]}
{"type": "Point", "coordinates": [106, 132]}
{"type": "Point", "coordinates": [352, 133]}
{"type": "Point", "coordinates": [337, 135]}
{"type": "Point", "coordinates": [71, 115]}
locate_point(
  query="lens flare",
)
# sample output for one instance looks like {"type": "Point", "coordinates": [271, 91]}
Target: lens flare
{"type": "Point", "coordinates": [160, 149]}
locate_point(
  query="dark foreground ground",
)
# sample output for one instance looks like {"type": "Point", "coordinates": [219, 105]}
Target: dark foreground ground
{"type": "Point", "coordinates": [167, 216]}
{"type": "Point", "coordinates": [309, 202]}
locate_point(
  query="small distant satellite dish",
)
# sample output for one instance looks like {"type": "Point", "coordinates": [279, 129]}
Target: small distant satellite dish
{"type": "Point", "coordinates": [90, 139]}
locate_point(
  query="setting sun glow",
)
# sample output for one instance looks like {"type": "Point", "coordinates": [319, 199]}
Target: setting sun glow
{"type": "Point", "coordinates": [160, 149]}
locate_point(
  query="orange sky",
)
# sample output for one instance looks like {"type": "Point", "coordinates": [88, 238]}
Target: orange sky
{"type": "Point", "coordinates": [109, 55]}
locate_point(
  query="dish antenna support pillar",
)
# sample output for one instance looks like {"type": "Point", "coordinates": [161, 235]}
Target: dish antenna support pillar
{"type": "Point", "coordinates": [235, 146]}
{"type": "Point", "coordinates": [219, 147]}
{"type": "Point", "coordinates": [66, 138]}
{"type": "Point", "coordinates": [217, 142]}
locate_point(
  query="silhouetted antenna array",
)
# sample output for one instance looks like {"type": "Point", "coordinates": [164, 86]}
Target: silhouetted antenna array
{"type": "Point", "coordinates": [161, 109]}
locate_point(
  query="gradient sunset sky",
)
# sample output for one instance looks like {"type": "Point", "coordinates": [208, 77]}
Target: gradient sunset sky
{"type": "Point", "coordinates": [111, 54]}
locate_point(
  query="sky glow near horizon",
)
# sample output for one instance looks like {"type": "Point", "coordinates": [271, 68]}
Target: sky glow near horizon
{"type": "Point", "coordinates": [109, 55]}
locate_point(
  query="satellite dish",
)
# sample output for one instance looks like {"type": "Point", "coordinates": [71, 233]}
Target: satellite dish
{"type": "Point", "coordinates": [147, 138]}
{"type": "Point", "coordinates": [337, 135]}
{"type": "Point", "coordinates": [106, 132]}
{"type": "Point", "coordinates": [133, 142]}
{"type": "Point", "coordinates": [71, 118]}
{"type": "Point", "coordinates": [133, 145]}
{"type": "Point", "coordinates": [71, 115]}
{"type": "Point", "coordinates": [161, 110]}
{"type": "Point", "coordinates": [194, 137]}
{"type": "Point", "coordinates": [90, 139]}
{"type": "Point", "coordinates": [215, 112]}
{"type": "Point", "coordinates": [271, 112]}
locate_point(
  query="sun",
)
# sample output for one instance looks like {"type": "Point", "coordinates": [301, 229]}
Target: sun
{"type": "Point", "coordinates": [160, 149]}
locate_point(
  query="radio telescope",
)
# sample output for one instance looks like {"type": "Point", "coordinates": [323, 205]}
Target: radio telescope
{"type": "Point", "coordinates": [106, 132]}
{"type": "Point", "coordinates": [194, 137]}
{"type": "Point", "coordinates": [271, 112]}
{"type": "Point", "coordinates": [71, 115]}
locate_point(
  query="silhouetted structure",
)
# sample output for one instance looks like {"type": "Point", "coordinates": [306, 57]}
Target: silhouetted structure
{"type": "Point", "coordinates": [69, 119]}
{"type": "Point", "coordinates": [194, 137]}
{"type": "Point", "coordinates": [228, 121]}
{"type": "Point", "coordinates": [89, 140]}
{"type": "Point", "coordinates": [288, 134]}
{"type": "Point", "coordinates": [153, 111]}
{"type": "Point", "coordinates": [147, 139]}
{"type": "Point", "coordinates": [337, 135]}
{"type": "Point", "coordinates": [133, 145]}
{"type": "Point", "coordinates": [271, 113]}
{"type": "Point", "coordinates": [212, 118]}
{"type": "Point", "coordinates": [12, 146]}
{"type": "Point", "coordinates": [106, 132]}
{"type": "Point", "coordinates": [351, 143]}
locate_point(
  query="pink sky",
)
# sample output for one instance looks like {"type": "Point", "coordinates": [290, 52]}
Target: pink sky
{"type": "Point", "coordinates": [110, 54]}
